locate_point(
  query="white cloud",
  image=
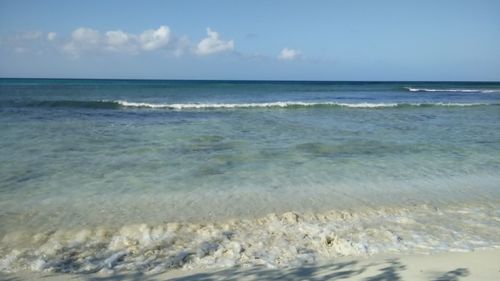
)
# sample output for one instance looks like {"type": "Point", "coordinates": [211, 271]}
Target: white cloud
{"type": "Point", "coordinates": [212, 44]}
{"type": "Point", "coordinates": [117, 38]}
{"type": "Point", "coordinates": [155, 39]}
{"type": "Point", "coordinates": [51, 36]}
{"type": "Point", "coordinates": [289, 54]}
{"type": "Point", "coordinates": [82, 39]}
{"type": "Point", "coordinates": [86, 36]}
{"type": "Point", "coordinates": [85, 40]}
{"type": "Point", "coordinates": [119, 41]}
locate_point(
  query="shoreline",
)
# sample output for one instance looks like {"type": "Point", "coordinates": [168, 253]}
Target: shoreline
{"type": "Point", "coordinates": [274, 241]}
{"type": "Point", "coordinates": [475, 265]}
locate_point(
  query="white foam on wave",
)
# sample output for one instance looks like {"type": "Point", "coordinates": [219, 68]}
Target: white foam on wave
{"type": "Point", "coordinates": [290, 239]}
{"type": "Point", "coordinates": [451, 104]}
{"type": "Point", "coordinates": [283, 104]}
{"type": "Point", "coordinates": [214, 105]}
{"type": "Point", "coordinates": [180, 106]}
{"type": "Point", "coordinates": [411, 89]}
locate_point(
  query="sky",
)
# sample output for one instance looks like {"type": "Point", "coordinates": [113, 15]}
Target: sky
{"type": "Point", "coordinates": [428, 40]}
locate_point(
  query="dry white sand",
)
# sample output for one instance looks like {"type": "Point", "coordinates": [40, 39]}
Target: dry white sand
{"type": "Point", "coordinates": [478, 265]}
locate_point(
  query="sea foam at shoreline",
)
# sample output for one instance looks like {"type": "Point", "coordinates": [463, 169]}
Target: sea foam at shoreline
{"type": "Point", "coordinates": [289, 239]}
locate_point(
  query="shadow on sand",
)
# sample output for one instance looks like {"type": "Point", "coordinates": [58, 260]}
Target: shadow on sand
{"type": "Point", "coordinates": [384, 270]}
{"type": "Point", "coordinates": [389, 269]}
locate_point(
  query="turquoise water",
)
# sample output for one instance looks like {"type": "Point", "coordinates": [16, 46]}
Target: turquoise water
{"type": "Point", "coordinates": [81, 156]}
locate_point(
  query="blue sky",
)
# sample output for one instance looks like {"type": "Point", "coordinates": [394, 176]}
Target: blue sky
{"type": "Point", "coordinates": [277, 40]}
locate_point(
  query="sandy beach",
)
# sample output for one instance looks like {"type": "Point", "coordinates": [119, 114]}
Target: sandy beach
{"type": "Point", "coordinates": [477, 265]}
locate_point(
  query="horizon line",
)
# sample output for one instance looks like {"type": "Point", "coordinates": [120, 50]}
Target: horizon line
{"type": "Point", "coordinates": [258, 80]}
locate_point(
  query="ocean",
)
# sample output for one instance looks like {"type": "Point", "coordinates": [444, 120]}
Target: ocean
{"type": "Point", "coordinates": [152, 175]}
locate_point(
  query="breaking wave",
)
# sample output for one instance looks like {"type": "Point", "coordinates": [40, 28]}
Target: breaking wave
{"type": "Point", "coordinates": [411, 89]}
{"type": "Point", "coordinates": [120, 104]}
{"type": "Point", "coordinates": [283, 104]}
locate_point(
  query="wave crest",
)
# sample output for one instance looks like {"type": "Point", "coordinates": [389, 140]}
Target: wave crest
{"type": "Point", "coordinates": [120, 104]}
{"type": "Point", "coordinates": [411, 89]}
{"type": "Point", "coordinates": [279, 104]}
{"type": "Point", "coordinates": [283, 104]}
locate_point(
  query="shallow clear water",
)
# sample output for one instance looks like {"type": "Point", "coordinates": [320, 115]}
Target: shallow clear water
{"type": "Point", "coordinates": [82, 155]}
